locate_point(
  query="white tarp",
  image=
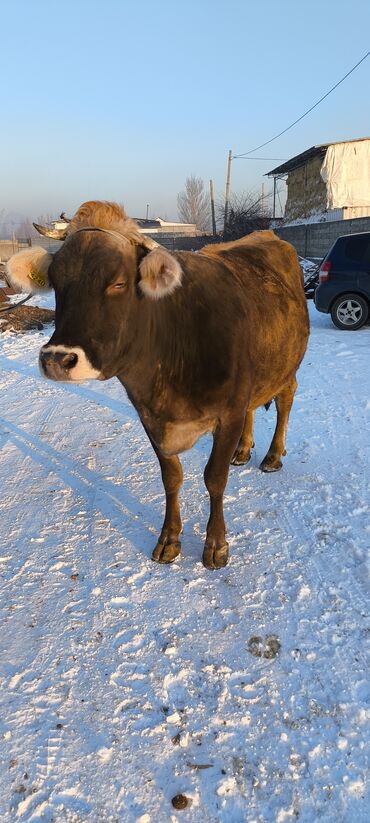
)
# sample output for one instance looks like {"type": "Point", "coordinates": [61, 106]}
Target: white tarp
{"type": "Point", "coordinates": [346, 172]}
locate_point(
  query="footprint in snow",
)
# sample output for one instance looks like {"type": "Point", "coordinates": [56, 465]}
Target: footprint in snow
{"type": "Point", "coordinates": [244, 687]}
{"type": "Point", "coordinates": [268, 647]}
{"type": "Point", "coordinates": [128, 641]}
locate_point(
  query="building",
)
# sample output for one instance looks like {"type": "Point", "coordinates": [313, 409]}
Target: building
{"type": "Point", "coordinates": [151, 227]}
{"type": "Point", "coordinates": [327, 182]}
{"type": "Point", "coordinates": [159, 226]}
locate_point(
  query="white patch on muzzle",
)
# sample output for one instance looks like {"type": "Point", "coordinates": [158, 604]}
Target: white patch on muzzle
{"type": "Point", "coordinates": [83, 370]}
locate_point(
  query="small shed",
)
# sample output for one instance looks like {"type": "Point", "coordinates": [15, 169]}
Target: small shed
{"type": "Point", "coordinates": [330, 181]}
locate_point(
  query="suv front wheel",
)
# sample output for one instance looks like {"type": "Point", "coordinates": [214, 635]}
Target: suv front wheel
{"type": "Point", "coordinates": [350, 311]}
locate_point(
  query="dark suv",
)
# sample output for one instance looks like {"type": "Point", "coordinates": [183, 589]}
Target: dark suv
{"type": "Point", "coordinates": [344, 281]}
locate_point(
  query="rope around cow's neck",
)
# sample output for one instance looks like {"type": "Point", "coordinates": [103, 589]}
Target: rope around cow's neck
{"type": "Point", "coordinates": [15, 305]}
{"type": "Point", "coordinates": [115, 234]}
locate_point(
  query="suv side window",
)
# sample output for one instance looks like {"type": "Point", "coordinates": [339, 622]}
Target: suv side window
{"type": "Point", "coordinates": [356, 252]}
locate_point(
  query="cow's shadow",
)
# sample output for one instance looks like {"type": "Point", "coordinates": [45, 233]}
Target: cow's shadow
{"type": "Point", "coordinates": [80, 390]}
{"type": "Point", "coordinates": [134, 519]}
{"type": "Point", "coordinates": [123, 509]}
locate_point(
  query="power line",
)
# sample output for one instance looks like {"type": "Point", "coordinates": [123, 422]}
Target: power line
{"type": "Point", "coordinates": [237, 156]}
{"type": "Point", "coordinates": [270, 159]}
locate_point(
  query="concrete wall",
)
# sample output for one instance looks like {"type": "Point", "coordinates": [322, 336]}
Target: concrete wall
{"type": "Point", "coordinates": [185, 243]}
{"type": "Point", "coordinates": [310, 240]}
{"type": "Point", "coordinates": [169, 241]}
{"type": "Point", "coordinates": [315, 239]}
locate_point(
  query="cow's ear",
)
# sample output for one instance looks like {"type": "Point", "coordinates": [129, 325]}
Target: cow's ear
{"type": "Point", "coordinates": [160, 274]}
{"type": "Point", "coordinates": [28, 270]}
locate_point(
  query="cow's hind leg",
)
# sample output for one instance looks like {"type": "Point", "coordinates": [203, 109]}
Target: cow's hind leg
{"type": "Point", "coordinates": [242, 453]}
{"type": "Point", "coordinates": [169, 546]}
{"type": "Point", "coordinates": [283, 401]}
{"type": "Point", "coordinates": [225, 439]}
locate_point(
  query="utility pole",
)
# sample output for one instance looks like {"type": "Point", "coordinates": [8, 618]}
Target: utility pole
{"type": "Point", "coordinates": [212, 208]}
{"type": "Point", "coordinates": [147, 210]}
{"type": "Point", "coordinates": [227, 190]}
{"type": "Point", "coordinates": [274, 206]}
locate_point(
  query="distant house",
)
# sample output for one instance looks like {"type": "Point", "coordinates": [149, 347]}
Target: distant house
{"type": "Point", "coordinates": [59, 224]}
{"type": "Point", "coordinates": [327, 182]}
{"type": "Point", "coordinates": [157, 226]}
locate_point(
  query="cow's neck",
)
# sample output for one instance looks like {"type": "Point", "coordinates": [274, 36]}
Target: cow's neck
{"type": "Point", "coordinates": [157, 354]}
{"type": "Point", "coordinates": [177, 353]}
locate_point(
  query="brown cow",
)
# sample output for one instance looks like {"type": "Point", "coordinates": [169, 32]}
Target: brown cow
{"type": "Point", "coordinates": [199, 341]}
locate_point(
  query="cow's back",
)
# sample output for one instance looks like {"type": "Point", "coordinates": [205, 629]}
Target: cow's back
{"type": "Point", "coordinates": [263, 254]}
{"type": "Point", "coordinates": [268, 279]}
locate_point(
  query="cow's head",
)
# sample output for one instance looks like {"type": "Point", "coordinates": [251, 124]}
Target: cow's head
{"type": "Point", "coordinates": [102, 275]}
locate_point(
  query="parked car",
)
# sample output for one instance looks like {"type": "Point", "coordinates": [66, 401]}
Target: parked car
{"type": "Point", "coordinates": [344, 281]}
{"type": "Point", "coordinates": [310, 270]}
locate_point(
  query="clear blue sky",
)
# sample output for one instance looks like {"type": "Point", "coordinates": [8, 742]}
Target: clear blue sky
{"type": "Point", "coordinates": [118, 99]}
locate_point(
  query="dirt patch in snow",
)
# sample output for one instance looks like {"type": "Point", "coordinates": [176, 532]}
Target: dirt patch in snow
{"type": "Point", "coordinates": [25, 318]}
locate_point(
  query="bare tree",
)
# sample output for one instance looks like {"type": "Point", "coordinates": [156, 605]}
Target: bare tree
{"type": "Point", "coordinates": [193, 204]}
{"type": "Point", "coordinates": [26, 230]}
{"type": "Point", "coordinates": [247, 212]}
{"type": "Point", "coordinates": [14, 226]}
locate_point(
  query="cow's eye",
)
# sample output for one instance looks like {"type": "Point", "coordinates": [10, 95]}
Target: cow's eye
{"type": "Point", "coordinates": [115, 287]}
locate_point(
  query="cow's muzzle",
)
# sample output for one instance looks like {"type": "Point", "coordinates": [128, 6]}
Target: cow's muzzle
{"type": "Point", "coordinates": [66, 364]}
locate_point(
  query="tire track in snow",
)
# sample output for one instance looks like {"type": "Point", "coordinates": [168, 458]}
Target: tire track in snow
{"type": "Point", "coordinates": [81, 479]}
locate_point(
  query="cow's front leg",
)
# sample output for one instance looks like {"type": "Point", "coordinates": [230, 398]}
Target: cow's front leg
{"type": "Point", "coordinates": [225, 440]}
{"type": "Point", "coordinates": [169, 546]}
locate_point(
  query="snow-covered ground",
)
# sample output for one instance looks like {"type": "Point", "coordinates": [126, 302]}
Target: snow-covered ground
{"type": "Point", "coordinates": [124, 683]}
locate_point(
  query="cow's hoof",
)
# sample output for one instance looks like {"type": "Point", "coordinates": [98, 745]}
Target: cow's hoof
{"type": "Point", "coordinates": [215, 558]}
{"type": "Point", "coordinates": [240, 457]}
{"type": "Point", "coordinates": [271, 463]}
{"type": "Point", "coordinates": [166, 553]}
